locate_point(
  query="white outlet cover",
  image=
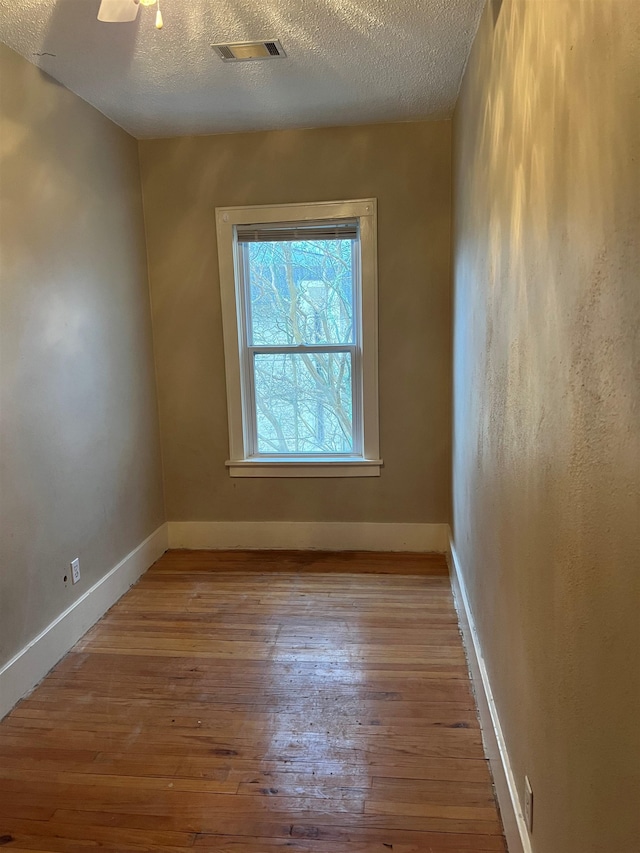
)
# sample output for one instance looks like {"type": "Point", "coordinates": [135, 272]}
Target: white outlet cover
{"type": "Point", "coordinates": [528, 804]}
{"type": "Point", "coordinates": [75, 570]}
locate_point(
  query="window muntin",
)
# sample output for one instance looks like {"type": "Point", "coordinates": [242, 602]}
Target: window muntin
{"type": "Point", "coordinates": [298, 289]}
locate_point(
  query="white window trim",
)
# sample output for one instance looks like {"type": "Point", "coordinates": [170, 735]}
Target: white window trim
{"type": "Point", "coordinates": [240, 464]}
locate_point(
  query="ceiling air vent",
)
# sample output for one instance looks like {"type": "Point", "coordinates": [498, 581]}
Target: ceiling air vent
{"type": "Point", "coordinates": [248, 50]}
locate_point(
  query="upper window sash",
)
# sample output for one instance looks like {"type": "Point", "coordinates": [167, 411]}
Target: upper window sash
{"type": "Point", "coordinates": [245, 303]}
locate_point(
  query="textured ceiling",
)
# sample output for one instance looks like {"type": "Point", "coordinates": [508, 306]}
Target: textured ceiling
{"type": "Point", "coordinates": [348, 61]}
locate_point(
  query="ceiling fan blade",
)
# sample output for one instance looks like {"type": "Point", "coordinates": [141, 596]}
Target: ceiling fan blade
{"type": "Point", "coordinates": [118, 11]}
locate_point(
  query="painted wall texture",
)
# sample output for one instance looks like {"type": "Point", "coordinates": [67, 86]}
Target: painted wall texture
{"type": "Point", "coordinates": [407, 168]}
{"type": "Point", "coordinates": [80, 472]}
{"type": "Point", "coordinates": [547, 401]}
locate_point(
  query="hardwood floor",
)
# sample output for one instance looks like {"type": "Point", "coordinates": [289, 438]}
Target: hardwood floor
{"type": "Point", "coordinates": [257, 702]}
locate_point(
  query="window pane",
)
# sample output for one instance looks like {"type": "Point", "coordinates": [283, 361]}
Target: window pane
{"type": "Point", "coordinates": [303, 402]}
{"type": "Point", "coordinates": [301, 292]}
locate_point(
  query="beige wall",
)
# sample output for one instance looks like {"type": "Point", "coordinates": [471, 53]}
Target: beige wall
{"type": "Point", "coordinates": [547, 401]}
{"type": "Point", "coordinates": [80, 468]}
{"type": "Point", "coordinates": [407, 168]}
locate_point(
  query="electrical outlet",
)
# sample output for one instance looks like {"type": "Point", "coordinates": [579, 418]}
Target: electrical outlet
{"type": "Point", "coordinates": [528, 804]}
{"type": "Point", "coordinates": [75, 570]}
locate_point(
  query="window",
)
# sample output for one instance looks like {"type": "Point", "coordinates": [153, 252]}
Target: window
{"type": "Point", "coordinates": [299, 309]}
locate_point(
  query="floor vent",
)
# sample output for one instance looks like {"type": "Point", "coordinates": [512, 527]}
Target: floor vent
{"type": "Point", "coordinates": [249, 50]}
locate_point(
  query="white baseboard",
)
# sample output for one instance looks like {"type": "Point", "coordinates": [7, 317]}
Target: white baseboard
{"type": "Point", "coordinates": [308, 535]}
{"type": "Point", "coordinates": [21, 674]}
{"type": "Point", "coordinates": [515, 828]}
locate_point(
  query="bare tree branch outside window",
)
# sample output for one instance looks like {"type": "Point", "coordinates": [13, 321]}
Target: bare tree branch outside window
{"type": "Point", "coordinates": [301, 292]}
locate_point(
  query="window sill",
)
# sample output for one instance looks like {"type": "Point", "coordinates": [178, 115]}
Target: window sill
{"type": "Point", "coordinates": [297, 467]}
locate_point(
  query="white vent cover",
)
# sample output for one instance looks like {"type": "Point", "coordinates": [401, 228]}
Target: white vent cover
{"type": "Point", "coordinates": [248, 50]}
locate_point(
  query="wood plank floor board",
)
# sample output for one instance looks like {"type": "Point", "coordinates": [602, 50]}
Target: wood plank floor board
{"type": "Point", "coordinates": [257, 702]}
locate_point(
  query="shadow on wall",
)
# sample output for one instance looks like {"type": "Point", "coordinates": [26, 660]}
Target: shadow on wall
{"type": "Point", "coordinates": [549, 220]}
{"type": "Point", "coordinates": [559, 226]}
{"type": "Point", "coordinates": [73, 27]}
{"type": "Point", "coordinates": [76, 374]}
